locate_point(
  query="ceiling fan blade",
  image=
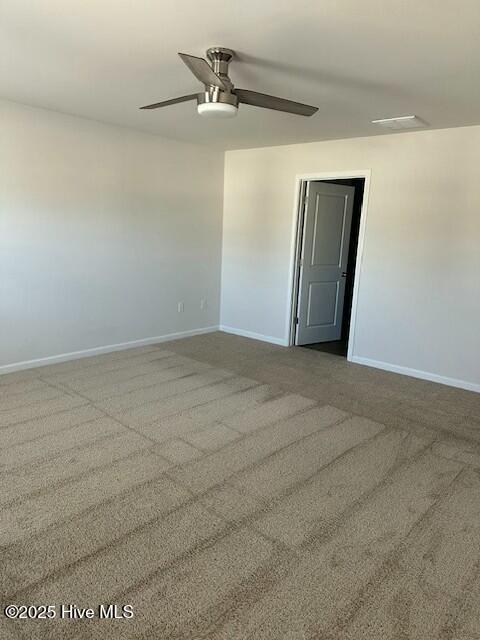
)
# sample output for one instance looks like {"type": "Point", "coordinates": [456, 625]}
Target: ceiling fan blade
{"type": "Point", "coordinates": [202, 71]}
{"type": "Point", "coordinates": [272, 102]}
{"type": "Point", "coordinates": [165, 103]}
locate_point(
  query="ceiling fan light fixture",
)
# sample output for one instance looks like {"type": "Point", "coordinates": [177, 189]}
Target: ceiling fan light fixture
{"type": "Point", "coordinates": [217, 110]}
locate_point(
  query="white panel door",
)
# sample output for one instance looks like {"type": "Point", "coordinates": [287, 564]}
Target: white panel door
{"type": "Point", "coordinates": [323, 266]}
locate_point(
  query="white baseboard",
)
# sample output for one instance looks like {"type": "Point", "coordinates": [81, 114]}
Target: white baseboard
{"type": "Point", "coordinates": [416, 373]}
{"type": "Point", "coordinates": [254, 336]}
{"type": "Point", "coordinates": [76, 355]}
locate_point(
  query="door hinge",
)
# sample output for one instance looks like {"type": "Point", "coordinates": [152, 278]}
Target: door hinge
{"type": "Point", "coordinates": [295, 321]}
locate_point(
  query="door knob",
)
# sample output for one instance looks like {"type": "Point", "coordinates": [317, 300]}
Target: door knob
{"type": "Point", "coordinates": [344, 274]}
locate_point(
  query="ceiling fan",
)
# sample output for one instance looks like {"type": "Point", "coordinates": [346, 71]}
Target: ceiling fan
{"type": "Point", "coordinates": [220, 99]}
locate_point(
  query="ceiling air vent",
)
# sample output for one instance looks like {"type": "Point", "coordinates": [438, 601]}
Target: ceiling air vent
{"type": "Point", "coordinates": [402, 122]}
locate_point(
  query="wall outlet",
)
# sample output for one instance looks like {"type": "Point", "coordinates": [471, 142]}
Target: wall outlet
{"type": "Point", "coordinates": [203, 304]}
{"type": "Point", "coordinates": [180, 307]}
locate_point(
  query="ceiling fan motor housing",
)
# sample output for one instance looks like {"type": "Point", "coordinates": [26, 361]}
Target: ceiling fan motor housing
{"type": "Point", "coordinates": [220, 58]}
{"type": "Point", "coordinates": [216, 95]}
{"type": "Point", "coordinates": [214, 101]}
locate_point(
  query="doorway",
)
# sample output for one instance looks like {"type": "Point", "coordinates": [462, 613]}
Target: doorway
{"type": "Point", "coordinates": [327, 247]}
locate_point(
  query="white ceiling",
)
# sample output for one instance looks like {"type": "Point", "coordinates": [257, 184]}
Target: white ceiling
{"type": "Point", "coordinates": [357, 61]}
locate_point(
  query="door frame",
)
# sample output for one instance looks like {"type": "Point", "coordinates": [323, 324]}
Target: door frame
{"type": "Point", "coordinates": [301, 182]}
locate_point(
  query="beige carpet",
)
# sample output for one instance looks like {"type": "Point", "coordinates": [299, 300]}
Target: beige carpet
{"type": "Point", "coordinates": [228, 489]}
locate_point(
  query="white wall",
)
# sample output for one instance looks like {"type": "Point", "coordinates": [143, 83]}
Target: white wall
{"type": "Point", "coordinates": [419, 295]}
{"type": "Point", "coordinates": [102, 231]}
